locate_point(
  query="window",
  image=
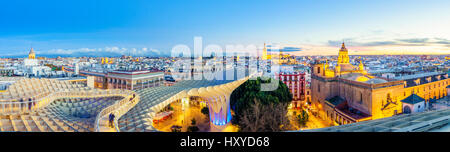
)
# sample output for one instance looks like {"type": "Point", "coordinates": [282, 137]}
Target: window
{"type": "Point", "coordinates": [361, 98]}
{"type": "Point", "coordinates": [318, 69]}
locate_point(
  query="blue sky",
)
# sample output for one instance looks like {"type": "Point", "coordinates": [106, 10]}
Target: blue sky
{"type": "Point", "coordinates": [317, 27]}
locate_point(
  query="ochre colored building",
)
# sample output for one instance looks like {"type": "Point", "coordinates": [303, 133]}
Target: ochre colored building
{"type": "Point", "coordinates": [346, 94]}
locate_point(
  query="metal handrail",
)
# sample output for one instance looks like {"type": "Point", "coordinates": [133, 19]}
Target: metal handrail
{"type": "Point", "coordinates": [116, 108]}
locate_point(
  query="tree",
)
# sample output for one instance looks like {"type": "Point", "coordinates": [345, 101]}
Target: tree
{"type": "Point", "coordinates": [175, 128]}
{"type": "Point", "coordinates": [205, 111]}
{"type": "Point", "coordinates": [170, 108]}
{"type": "Point", "coordinates": [193, 122]}
{"type": "Point", "coordinates": [265, 118]}
{"type": "Point", "coordinates": [243, 97]}
{"type": "Point", "coordinates": [193, 127]}
{"type": "Point", "coordinates": [302, 118]}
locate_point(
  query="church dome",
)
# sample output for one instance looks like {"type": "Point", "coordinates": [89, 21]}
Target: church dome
{"type": "Point", "coordinates": [346, 67]}
{"type": "Point", "coordinates": [376, 81]}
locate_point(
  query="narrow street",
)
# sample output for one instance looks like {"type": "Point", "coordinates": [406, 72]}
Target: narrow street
{"type": "Point", "coordinates": [183, 118]}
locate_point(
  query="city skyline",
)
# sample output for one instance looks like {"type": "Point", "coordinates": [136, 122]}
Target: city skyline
{"type": "Point", "coordinates": [144, 28]}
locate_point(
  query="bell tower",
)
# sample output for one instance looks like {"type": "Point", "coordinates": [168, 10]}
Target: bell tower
{"type": "Point", "coordinates": [264, 53]}
{"type": "Point", "coordinates": [31, 55]}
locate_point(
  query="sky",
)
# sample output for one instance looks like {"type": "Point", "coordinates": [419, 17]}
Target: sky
{"type": "Point", "coordinates": [154, 27]}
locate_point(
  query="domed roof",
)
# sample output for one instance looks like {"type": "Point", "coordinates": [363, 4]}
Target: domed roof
{"type": "Point", "coordinates": [363, 78]}
{"type": "Point", "coordinates": [359, 78]}
{"type": "Point", "coordinates": [346, 67]}
{"type": "Point", "coordinates": [376, 81]}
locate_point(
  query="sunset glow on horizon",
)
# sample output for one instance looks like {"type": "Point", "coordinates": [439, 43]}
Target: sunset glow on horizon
{"type": "Point", "coordinates": [150, 28]}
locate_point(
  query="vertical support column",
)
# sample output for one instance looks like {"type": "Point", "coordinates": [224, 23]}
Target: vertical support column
{"type": "Point", "coordinates": [10, 107]}
{"type": "Point", "coordinates": [222, 116]}
{"type": "Point", "coordinates": [20, 107]}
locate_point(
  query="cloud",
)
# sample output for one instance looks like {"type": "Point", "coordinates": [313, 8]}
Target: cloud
{"type": "Point", "coordinates": [414, 40]}
{"type": "Point", "coordinates": [356, 43]}
{"type": "Point", "coordinates": [106, 51]}
{"type": "Point", "coordinates": [288, 49]}
{"type": "Point", "coordinates": [396, 42]}
{"type": "Point", "coordinates": [443, 41]}
{"type": "Point", "coordinates": [379, 43]}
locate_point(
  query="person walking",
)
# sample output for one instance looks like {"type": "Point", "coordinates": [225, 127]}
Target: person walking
{"type": "Point", "coordinates": [111, 120]}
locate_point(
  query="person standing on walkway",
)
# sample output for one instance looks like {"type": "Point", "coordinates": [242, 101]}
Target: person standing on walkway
{"type": "Point", "coordinates": [111, 120]}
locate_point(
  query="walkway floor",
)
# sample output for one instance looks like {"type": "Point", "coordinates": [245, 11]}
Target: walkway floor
{"type": "Point", "coordinates": [441, 104]}
{"type": "Point", "coordinates": [104, 127]}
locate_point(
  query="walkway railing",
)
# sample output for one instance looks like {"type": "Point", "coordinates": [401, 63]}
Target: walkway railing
{"type": "Point", "coordinates": [42, 100]}
{"type": "Point", "coordinates": [118, 109]}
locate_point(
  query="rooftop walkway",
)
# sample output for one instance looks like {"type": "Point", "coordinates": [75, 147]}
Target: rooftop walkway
{"type": "Point", "coordinates": [418, 122]}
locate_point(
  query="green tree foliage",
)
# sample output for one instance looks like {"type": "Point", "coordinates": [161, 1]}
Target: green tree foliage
{"type": "Point", "coordinates": [302, 118]}
{"type": "Point", "coordinates": [193, 127]}
{"type": "Point", "coordinates": [169, 107]}
{"type": "Point", "coordinates": [205, 111]}
{"type": "Point", "coordinates": [193, 121]}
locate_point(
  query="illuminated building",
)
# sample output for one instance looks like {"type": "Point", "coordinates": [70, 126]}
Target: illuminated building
{"type": "Point", "coordinates": [107, 61]}
{"type": "Point", "coordinates": [448, 90]}
{"type": "Point", "coordinates": [429, 121]}
{"type": "Point", "coordinates": [413, 104]}
{"type": "Point", "coordinates": [133, 80]}
{"type": "Point", "coordinates": [279, 58]}
{"type": "Point", "coordinates": [346, 94]}
{"type": "Point", "coordinates": [123, 79]}
{"type": "Point", "coordinates": [31, 60]}
{"type": "Point", "coordinates": [296, 84]}
{"type": "Point", "coordinates": [264, 54]}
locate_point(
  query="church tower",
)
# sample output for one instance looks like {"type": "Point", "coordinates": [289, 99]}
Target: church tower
{"type": "Point", "coordinates": [31, 55]}
{"type": "Point", "coordinates": [264, 54]}
{"type": "Point", "coordinates": [343, 55]}
{"type": "Point", "coordinates": [361, 65]}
